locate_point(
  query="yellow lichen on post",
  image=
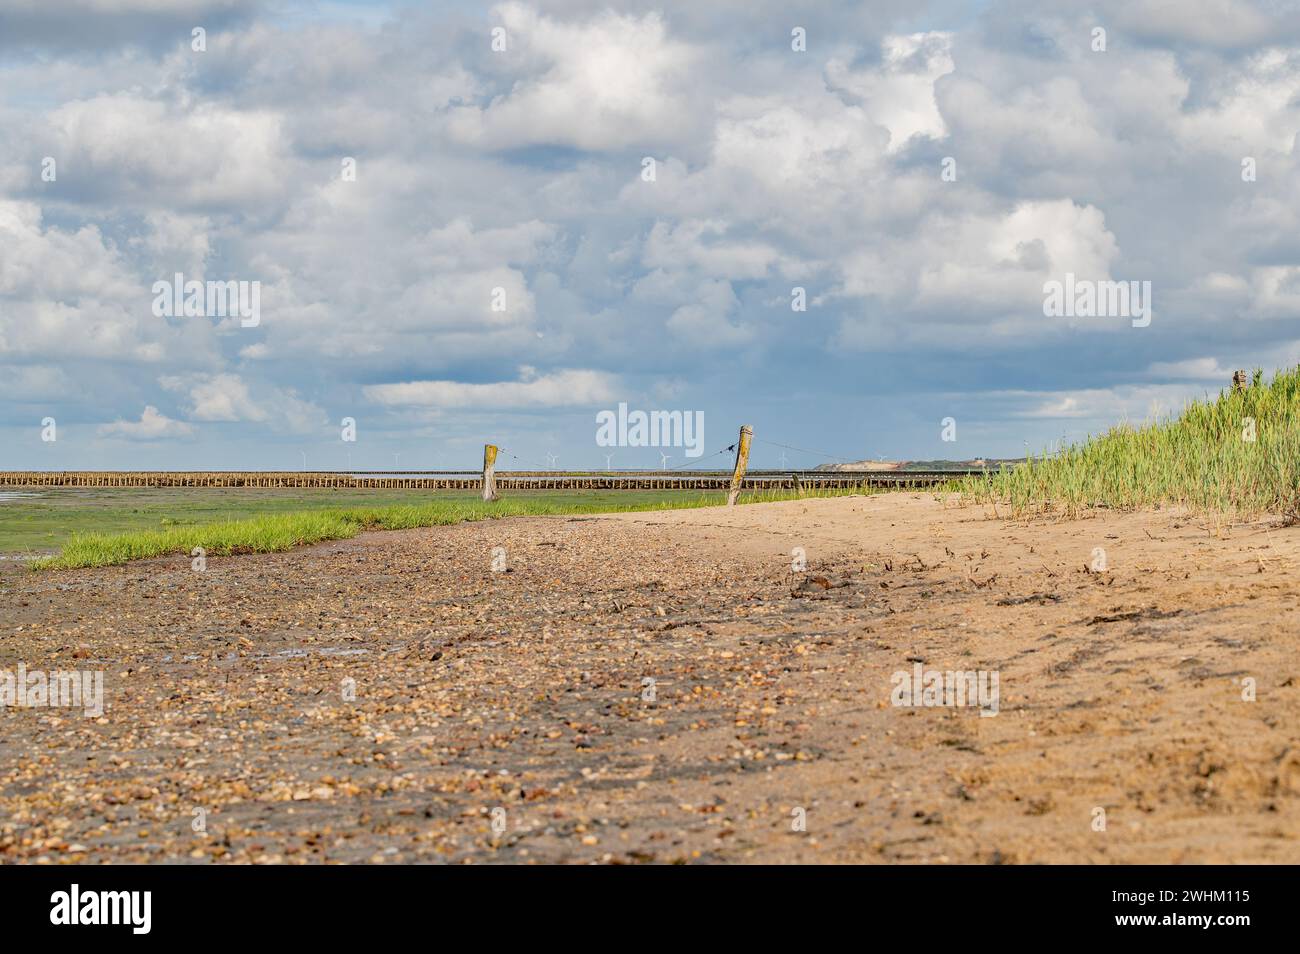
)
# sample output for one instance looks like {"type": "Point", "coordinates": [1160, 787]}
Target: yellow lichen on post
{"type": "Point", "coordinates": [489, 472]}
{"type": "Point", "coordinates": [742, 462]}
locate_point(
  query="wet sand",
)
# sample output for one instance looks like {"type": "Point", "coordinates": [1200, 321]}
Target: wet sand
{"type": "Point", "coordinates": [666, 687]}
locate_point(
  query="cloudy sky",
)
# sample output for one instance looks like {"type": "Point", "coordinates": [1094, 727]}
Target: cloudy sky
{"type": "Point", "coordinates": [518, 178]}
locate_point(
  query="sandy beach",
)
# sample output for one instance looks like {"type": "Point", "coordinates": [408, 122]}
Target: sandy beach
{"type": "Point", "coordinates": [690, 686]}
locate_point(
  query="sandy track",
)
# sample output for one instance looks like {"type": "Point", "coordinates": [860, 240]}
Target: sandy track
{"type": "Point", "coordinates": [525, 690]}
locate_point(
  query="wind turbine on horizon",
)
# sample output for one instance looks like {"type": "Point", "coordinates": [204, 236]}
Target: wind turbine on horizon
{"type": "Point", "coordinates": [664, 459]}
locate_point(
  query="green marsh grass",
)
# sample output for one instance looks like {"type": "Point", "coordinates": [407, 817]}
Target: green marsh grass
{"type": "Point", "coordinates": [1200, 459]}
{"type": "Point", "coordinates": [272, 533]}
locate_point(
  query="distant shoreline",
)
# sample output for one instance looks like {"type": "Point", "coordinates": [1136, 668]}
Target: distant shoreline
{"type": "Point", "coordinates": [870, 466]}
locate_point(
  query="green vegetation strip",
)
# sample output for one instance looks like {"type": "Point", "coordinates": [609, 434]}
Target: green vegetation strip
{"type": "Point", "coordinates": [39, 523]}
{"type": "Point", "coordinates": [273, 533]}
{"type": "Point", "coordinates": [1236, 454]}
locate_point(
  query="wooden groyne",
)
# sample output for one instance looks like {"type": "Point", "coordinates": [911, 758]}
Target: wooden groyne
{"type": "Point", "coordinates": [505, 480]}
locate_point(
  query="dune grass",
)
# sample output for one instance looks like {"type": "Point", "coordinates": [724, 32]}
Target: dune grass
{"type": "Point", "coordinates": [271, 533]}
{"type": "Point", "coordinates": [1203, 459]}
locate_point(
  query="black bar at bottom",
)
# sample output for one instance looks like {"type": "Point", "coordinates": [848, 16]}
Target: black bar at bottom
{"type": "Point", "coordinates": [1225, 904]}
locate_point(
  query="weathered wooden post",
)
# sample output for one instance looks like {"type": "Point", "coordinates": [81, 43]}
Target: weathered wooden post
{"type": "Point", "coordinates": [490, 472]}
{"type": "Point", "coordinates": [742, 462]}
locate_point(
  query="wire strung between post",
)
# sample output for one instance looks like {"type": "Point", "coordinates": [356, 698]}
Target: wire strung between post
{"type": "Point", "coordinates": [513, 456]}
{"type": "Point", "coordinates": [804, 450]}
{"type": "Point", "coordinates": [702, 459]}
{"type": "Point", "coordinates": [728, 449]}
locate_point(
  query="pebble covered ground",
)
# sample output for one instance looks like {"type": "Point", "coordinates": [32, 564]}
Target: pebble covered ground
{"type": "Point", "coordinates": [671, 688]}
